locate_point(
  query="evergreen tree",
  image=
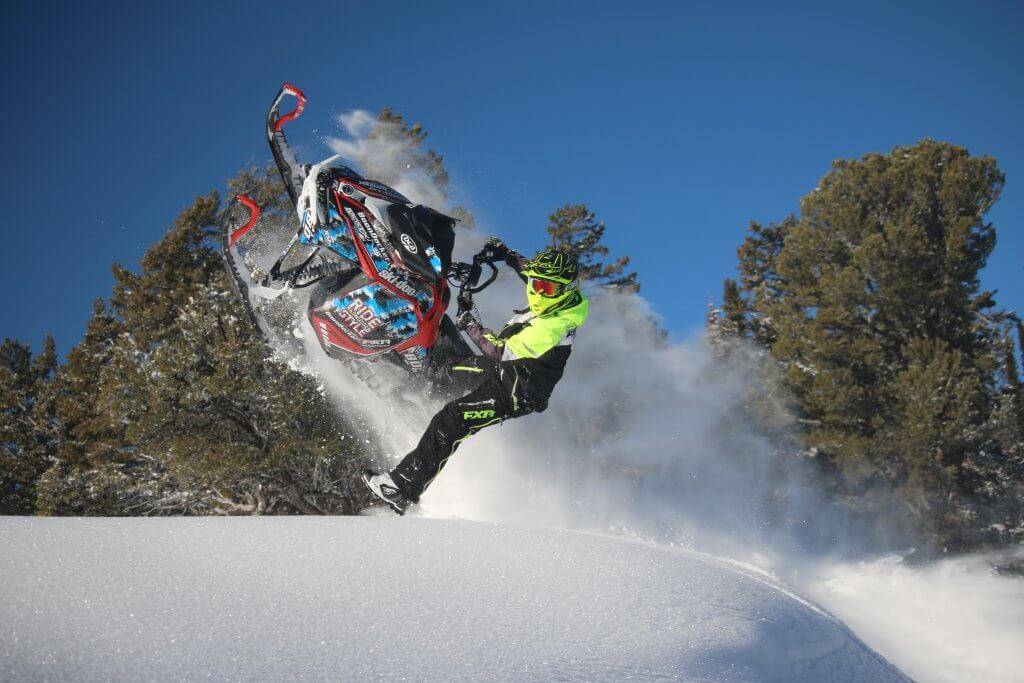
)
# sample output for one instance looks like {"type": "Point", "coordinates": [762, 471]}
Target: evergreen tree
{"type": "Point", "coordinates": [90, 434]}
{"type": "Point", "coordinates": [202, 395]}
{"type": "Point", "coordinates": [27, 431]}
{"type": "Point", "coordinates": [871, 301]}
{"type": "Point", "coordinates": [86, 475]}
{"type": "Point", "coordinates": [575, 228]}
{"type": "Point", "coordinates": [733, 316]}
{"type": "Point", "coordinates": [182, 262]}
{"type": "Point", "coordinates": [996, 472]}
{"type": "Point", "coordinates": [759, 279]}
{"type": "Point", "coordinates": [1014, 384]}
{"type": "Point", "coordinates": [1009, 415]}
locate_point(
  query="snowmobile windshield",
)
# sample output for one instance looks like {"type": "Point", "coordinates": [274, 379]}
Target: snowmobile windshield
{"type": "Point", "coordinates": [431, 234]}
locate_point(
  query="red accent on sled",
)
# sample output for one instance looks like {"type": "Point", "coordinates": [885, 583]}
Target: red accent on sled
{"type": "Point", "coordinates": [295, 113]}
{"type": "Point", "coordinates": [428, 323]}
{"type": "Point", "coordinates": [254, 215]}
{"type": "Point", "coordinates": [332, 335]}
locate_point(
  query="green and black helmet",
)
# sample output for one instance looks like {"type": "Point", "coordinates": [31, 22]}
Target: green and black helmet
{"type": "Point", "coordinates": [554, 264]}
{"type": "Point", "coordinates": [552, 279]}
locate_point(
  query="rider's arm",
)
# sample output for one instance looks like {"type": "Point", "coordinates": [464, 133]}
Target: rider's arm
{"type": "Point", "coordinates": [486, 341]}
{"type": "Point", "coordinates": [539, 337]}
{"type": "Point", "coordinates": [516, 262]}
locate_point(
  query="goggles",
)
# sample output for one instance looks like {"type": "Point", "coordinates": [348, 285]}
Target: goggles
{"type": "Point", "coordinates": [545, 288]}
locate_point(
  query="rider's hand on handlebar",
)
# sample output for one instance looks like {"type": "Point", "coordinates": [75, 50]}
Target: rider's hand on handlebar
{"type": "Point", "coordinates": [494, 250]}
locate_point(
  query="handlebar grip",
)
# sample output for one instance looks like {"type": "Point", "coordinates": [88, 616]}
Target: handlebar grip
{"type": "Point", "coordinates": [490, 254]}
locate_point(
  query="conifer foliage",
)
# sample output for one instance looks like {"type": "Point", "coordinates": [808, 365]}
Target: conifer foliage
{"type": "Point", "coordinates": [901, 366]}
{"type": "Point", "coordinates": [575, 228]}
{"type": "Point", "coordinates": [26, 422]}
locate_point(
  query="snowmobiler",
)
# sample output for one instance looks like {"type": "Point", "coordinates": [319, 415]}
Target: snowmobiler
{"type": "Point", "coordinates": [373, 271]}
{"type": "Point", "coordinates": [372, 266]}
{"type": "Point", "coordinates": [515, 376]}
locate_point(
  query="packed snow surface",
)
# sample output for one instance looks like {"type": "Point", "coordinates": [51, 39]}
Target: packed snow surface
{"type": "Point", "coordinates": [427, 599]}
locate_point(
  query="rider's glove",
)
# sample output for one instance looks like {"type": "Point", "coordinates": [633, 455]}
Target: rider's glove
{"type": "Point", "coordinates": [495, 250]}
{"type": "Point", "coordinates": [465, 319]}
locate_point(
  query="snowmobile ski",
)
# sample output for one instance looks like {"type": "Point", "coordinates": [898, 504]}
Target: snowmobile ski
{"type": "Point", "coordinates": [234, 261]}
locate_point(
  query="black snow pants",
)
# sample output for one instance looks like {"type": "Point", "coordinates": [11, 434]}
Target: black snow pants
{"type": "Point", "coordinates": [494, 395]}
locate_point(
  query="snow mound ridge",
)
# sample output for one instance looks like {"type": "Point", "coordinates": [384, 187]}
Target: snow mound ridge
{"type": "Point", "coordinates": [424, 599]}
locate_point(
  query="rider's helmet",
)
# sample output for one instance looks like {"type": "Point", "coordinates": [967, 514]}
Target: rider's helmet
{"type": "Point", "coordinates": [552, 280]}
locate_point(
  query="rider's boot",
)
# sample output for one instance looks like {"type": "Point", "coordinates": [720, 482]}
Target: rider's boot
{"type": "Point", "coordinates": [382, 486]}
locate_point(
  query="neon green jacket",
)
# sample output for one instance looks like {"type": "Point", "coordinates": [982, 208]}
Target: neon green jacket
{"type": "Point", "coordinates": [534, 336]}
{"type": "Point", "coordinates": [533, 350]}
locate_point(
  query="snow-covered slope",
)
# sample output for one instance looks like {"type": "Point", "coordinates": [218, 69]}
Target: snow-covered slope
{"type": "Point", "coordinates": [351, 598]}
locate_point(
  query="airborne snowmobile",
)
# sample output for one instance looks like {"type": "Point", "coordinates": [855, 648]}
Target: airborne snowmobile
{"type": "Point", "coordinates": [371, 267]}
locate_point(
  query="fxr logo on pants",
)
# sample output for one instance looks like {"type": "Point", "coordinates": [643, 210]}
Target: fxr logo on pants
{"type": "Point", "coordinates": [477, 414]}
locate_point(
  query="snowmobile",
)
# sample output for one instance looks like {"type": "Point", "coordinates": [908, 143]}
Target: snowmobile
{"type": "Point", "coordinates": [373, 269]}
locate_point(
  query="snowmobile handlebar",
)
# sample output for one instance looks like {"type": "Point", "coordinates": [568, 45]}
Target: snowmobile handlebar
{"type": "Point", "coordinates": [467, 276]}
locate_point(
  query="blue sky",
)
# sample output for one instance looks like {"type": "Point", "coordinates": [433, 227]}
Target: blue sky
{"type": "Point", "coordinates": [676, 122]}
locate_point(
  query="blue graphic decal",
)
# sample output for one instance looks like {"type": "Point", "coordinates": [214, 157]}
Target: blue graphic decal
{"type": "Point", "coordinates": [345, 248]}
{"type": "Point", "coordinates": [425, 299]}
{"type": "Point", "coordinates": [380, 262]}
{"type": "Point", "coordinates": [398, 321]}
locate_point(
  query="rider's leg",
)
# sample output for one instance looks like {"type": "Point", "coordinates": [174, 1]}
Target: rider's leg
{"type": "Point", "coordinates": [486, 405]}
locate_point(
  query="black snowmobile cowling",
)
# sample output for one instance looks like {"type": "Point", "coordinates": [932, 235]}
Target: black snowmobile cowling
{"type": "Point", "coordinates": [372, 265]}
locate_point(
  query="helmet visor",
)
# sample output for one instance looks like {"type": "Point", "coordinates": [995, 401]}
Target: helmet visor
{"type": "Point", "coordinates": [545, 288]}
